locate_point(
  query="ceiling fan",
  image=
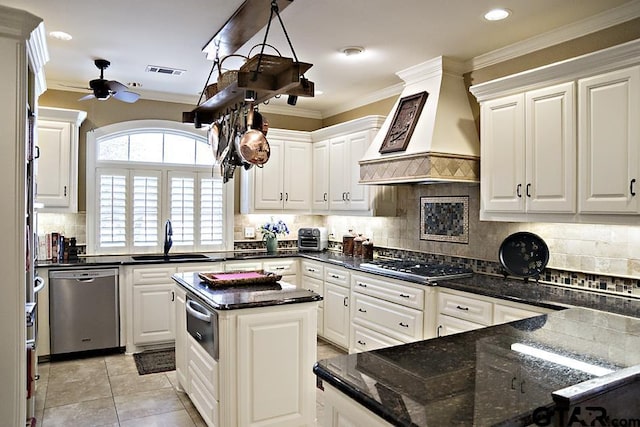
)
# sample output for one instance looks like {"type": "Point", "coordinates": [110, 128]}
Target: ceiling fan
{"type": "Point", "coordinates": [104, 89]}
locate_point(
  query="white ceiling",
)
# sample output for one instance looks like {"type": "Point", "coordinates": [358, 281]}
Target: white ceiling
{"type": "Point", "coordinates": [396, 35]}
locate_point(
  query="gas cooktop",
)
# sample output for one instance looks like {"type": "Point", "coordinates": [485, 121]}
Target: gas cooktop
{"type": "Point", "coordinates": [420, 271]}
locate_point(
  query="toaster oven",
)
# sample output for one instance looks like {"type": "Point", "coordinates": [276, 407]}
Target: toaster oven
{"type": "Point", "coordinates": [313, 239]}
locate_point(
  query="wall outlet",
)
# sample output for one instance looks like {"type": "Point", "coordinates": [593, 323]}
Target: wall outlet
{"type": "Point", "coordinates": [249, 233]}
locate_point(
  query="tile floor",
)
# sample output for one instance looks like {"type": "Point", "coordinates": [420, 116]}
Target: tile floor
{"type": "Point", "coordinates": [107, 391]}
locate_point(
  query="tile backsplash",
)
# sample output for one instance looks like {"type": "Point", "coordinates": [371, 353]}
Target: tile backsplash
{"type": "Point", "coordinates": [603, 257]}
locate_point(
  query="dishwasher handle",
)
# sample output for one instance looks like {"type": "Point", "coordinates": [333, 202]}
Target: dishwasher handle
{"type": "Point", "coordinates": [198, 311]}
{"type": "Point", "coordinates": [85, 279]}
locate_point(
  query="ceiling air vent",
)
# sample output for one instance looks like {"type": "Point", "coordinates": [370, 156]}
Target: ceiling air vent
{"type": "Point", "coordinates": [164, 70]}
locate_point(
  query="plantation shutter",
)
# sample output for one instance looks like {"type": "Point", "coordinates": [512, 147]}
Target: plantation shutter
{"type": "Point", "coordinates": [182, 208]}
{"type": "Point", "coordinates": [211, 210]}
{"type": "Point", "coordinates": [112, 222]}
{"type": "Point", "coordinates": [146, 208]}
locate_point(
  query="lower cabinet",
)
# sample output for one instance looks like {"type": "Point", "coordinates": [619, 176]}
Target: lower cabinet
{"type": "Point", "coordinates": [264, 372]}
{"type": "Point", "coordinates": [336, 306]}
{"type": "Point", "coordinates": [153, 312]}
{"type": "Point", "coordinates": [312, 278]}
{"type": "Point", "coordinates": [342, 411]}
{"type": "Point", "coordinates": [181, 336]}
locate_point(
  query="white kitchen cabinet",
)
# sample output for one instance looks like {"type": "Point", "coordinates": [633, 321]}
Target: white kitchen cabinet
{"type": "Point", "coordinates": [529, 152]}
{"type": "Point", "coordinates": [286, 267]}
{"type": "Point", "coordinates": [342, 411]}
{"type": "Point", "coordinates": [203, 379]}
{"type": "Point", "coordinates": [336, 306]}
{"type": "Point", "coordinates": [384, 312]}
{"type": "Point", "coordinates": [320, 184]}
{"type": "Point", "coordinates": [250, 265]}
{"type": "Point", "coordinates": [57, 165]}
{"type": "Point", "coordinates": [312, 278]}
{"type": "Point", "coordinates": [609, 131]}
{"type": "Point", "coordinates": [152, 312]}
{"type": "Point", "coordinates": [181, 338]}
{"type": "Point", "coordinates": [508, 312]}
{"type": "Point", "coordinates": [284, 182]}
{"type": "Point", "coordinates": [345, 194]}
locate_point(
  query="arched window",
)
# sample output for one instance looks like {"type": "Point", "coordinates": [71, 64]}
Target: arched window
{"type": "Point", "coordinates": [141, 173]}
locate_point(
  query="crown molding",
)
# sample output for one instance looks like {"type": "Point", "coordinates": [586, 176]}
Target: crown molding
{"type": "Point", "coordinates": [601, 21]}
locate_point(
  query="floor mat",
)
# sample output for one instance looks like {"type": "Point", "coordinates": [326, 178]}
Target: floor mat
{"type": "Point", "coordinates": [153, 361]}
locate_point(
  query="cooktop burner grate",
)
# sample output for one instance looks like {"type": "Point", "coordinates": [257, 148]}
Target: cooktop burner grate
{"type": "Point", "coordinates": [417, 270]}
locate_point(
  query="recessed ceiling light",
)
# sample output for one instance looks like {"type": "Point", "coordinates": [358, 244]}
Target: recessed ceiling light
{"type": "Point", "coordinates": [352, 50]}
{"type": "Point", "coordinates": [60, 35]}
{"type": "Point", "coordinates": [497, 14]}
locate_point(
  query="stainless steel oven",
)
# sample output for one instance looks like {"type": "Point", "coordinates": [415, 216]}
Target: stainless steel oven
{"type": "Point", "coordinates": [202, 325]}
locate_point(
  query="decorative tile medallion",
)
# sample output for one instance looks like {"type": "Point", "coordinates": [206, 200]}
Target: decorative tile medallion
{"type": "Point", "coordinates": [445, 219]}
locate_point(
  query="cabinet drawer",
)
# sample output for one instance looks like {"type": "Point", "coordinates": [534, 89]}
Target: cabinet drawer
{"type": "Point", "coordinates": [365, 339]}
{"type": "Point", "coordinates": [507, 313]}
{"type": "Point", "coordinates": [242, 266]}
{"type": "Point", "coordinates": [396, 321]}
{"type": "Point", "coordinates": [448, 325]}
{"type": "Point", "coordinates": [388, 290]}
{"type": "Point", "coordinates": [286, 267]}
{"type": "Point", "coordinates": [207, 406]}
{"type": "Point", "coordinates": [337, 276]}
{"type": "Point", "coordinates": [313, 269]}
{"type": "Point", "coordinates": [203, 367]}
{"type": "Point", "coordinates": [314, 285]}
{"type": "Point", "coordinates": [465, 308]}
{"type": "Point", "coordinates": [213, 267]}
{"type": "Point", "coordinates": [153, 275]}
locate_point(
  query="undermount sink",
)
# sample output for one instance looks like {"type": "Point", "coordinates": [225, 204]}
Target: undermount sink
{"type": "Point", "coordinates": [170, 257]}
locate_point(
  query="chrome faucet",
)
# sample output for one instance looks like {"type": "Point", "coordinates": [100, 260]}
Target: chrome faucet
{"type": "Point", "coordinates": [168, 232]}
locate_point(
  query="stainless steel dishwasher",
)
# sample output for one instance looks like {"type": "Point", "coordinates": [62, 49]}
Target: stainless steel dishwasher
{"type": "Point", "coordinates": [84, 310]}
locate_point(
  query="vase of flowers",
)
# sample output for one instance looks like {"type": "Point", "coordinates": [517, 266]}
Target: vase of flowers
{"type": "Point", "coordinates": [270, 231]}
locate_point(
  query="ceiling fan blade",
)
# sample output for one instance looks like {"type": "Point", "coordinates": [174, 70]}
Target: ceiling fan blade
{"type": "Point", "coordinates": [115, 86]}
{"type": "Point", "coordinates": [126, 96]}
{"type": "Point", "coordinates": [88, 96]}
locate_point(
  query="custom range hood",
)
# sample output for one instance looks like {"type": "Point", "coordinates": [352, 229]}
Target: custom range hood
{"type": "Point", "coordinates": [443, 146]}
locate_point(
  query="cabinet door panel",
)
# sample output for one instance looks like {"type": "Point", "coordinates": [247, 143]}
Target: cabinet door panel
{"type": "Point", "coordinates": [609, 131]}
{"type": "Point", "coordinates": [336, 314]}
{"type": "Point", "coordinates": [551, 150]}
{"type": "Point", "coordinates": [357, 194]}
{"type": "Point", "coordinates": [297, 176]}
{"type": "Point", "coordinates": [503, 151]}
{"type": "Point", "coordinates": [153, 314]}
{"type": "Point", "coordinates": [320, 191]}
{"type": "Point", "coordinates": [338, 154]}
{"type": "Point", "coordinates": [54, 163]}
{"type": "Point", "coordinates": [269, 180]}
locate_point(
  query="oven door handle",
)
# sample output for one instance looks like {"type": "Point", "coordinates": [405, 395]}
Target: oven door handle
{"type": "Point", "coordinates": [198, 311]}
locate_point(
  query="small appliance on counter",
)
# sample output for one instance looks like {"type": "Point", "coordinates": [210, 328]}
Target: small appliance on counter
{"type": "Point", "coordinates": [314, 239]}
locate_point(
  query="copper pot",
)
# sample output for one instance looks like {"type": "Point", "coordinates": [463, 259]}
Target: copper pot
{"type": "Point", "coordinates": [253, 146]}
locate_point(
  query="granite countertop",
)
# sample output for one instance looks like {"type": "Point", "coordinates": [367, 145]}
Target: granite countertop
{"type": "Point", "coordinates": [246, 296]}
{"type": "Point", "coordinates": [540, 294]}
{"type": "Point", "coordinates": [484, 377]}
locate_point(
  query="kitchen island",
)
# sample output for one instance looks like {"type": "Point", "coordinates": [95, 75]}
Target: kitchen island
{"type": "Point", "coordinates": [244, 354]}
{"type": "Point", "coordinates": [492, 376]}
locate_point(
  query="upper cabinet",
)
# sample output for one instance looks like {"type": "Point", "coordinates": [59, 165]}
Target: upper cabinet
{"type": "Point", "coordinates": [284, 182]}
{"type": "Point", "coordinates": [336, 171]}
{"type": "Point", "coordinates": [609, 134]}
{"type": "Point", "coordinates": [560, 143]}
{"type": "Point", "coordinates": [529, 152]}
{"type": "Point", "coordinates": [57, 170]}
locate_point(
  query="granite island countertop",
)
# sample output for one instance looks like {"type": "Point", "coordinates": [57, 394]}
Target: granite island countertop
{"type": "Point", "coordinates": [245, 296]}
{"type": "Point", "coordinates": [486, 376]}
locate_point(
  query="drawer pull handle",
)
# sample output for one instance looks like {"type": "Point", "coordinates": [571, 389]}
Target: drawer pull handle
{"type": "Point", "coordinates": [631, 185]}
{"type": "Point", "coordinates": [362, 285]}
{"type": "Point", "coordinates": [462, 308]}
{"type": "Point", "coordinates": [335, 276]}
{"type": "Point", "coordinates": [345, 301]}
{"type": "Point", "coordinates": [438, 334]}
{"type": "Point", "coordinates": [362, 310]}
{"type": "Point", "coordinates": [362, 343]}
{"type": "Point", "coordinates": [311, 270]}
{"type": "Point", "coordinates": [405, 296]}
{"type": "Point", "coordinates": [404, 325]}
{"type": "Point", "coordinates": [513, 380]}
{"type": "Point", "coordinates": [279, 268]}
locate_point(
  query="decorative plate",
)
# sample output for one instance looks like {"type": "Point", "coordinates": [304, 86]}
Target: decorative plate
{"type": "Point", "coordinates": [524, 254]}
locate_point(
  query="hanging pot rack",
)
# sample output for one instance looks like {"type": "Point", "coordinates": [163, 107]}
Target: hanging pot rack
{"type": "Point", "coordinates": [267, 76]}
